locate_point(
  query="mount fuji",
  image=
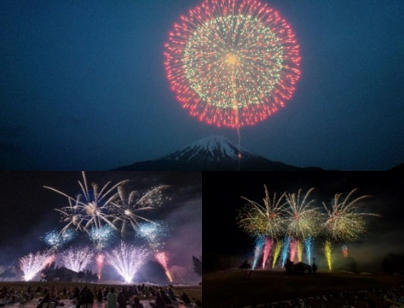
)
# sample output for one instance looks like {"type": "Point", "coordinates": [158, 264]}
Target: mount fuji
{"type": "Point", "coordinates": [214, 153]}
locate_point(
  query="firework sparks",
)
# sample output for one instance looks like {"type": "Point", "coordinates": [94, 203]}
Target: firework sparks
{"type": "Point", "coordinates": [77, 259]}
{"type": "Point", "coordinates": [327, 251]}
{"type": "Point", "coordinates": [304, 219]}
{"type": "Point", "coordinates": [267, 250]}
{"type": "Point", "coordinates": [55, 240]}
{"type": "Point", "coordinates": [267, 220]}
{"type": "Point", "coordinates": [129, 209]}
{"type": "Point", "coordinates": [293, 247]}
{"type": "Point", "coordinates": [308, 243]}
{"type": "Point", "coordinates": [90, 208]}
{"type": "Point", "coordinates": [100, 259]}
{"type": "Point", "coordinates": [127, 259]}
{"type": "Point", "coordinates": [259, 244]}
{"type": "Point", "coordinates": [162, 258]}
{"type": "Point", "coordinates": [345, 222]}
{"type": "Point", "coordinates": [232, 63]}
{"type": "Point", "coordinates": [277, 251]}
{"type": "Point", "coordinates": [299, 251]}
{"type": "Point", "coordinates": [153, 233]}
{"type": "Point", "coordinates": [285, 250]}
{"type": "Point", "coordinates": [32, 264]}
{"type": "Point", "coordinates": [101, 237]}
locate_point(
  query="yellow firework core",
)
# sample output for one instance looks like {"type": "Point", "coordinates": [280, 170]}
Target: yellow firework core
{"type": "Point", "coordinates": [232, 59]}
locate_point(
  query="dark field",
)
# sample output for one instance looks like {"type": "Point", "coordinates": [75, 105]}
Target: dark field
{"type": "Point", "coordinates": [228, 287]}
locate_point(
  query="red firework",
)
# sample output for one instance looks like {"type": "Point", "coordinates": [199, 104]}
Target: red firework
{"type": "Point", "coordinates": [232, 63]}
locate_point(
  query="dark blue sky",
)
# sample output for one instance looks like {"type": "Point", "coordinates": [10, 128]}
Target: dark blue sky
{"type": "Point", "coordinates": [83, 86]}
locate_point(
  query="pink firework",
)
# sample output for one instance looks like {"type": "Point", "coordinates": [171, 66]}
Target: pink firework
{"type": "Point", "coordinates": [293, 247]}
{"type": "Point", "coordinates": [32, 264]}
{"type": "Point", "coordinates": [267, 250]}
{"type": "Point", "coordinates": [162, 258]}
{"type": "Point", "coordinates": [232, 62]}
{"type": "Point", "coordinates": [100, 263]}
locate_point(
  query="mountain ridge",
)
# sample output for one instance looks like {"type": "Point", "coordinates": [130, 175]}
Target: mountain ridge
{"type": "Point", "coordinates": [213, 153]}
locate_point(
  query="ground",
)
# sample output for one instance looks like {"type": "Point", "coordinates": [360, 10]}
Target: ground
{"type": "Point", "coordinates": [229, 287]}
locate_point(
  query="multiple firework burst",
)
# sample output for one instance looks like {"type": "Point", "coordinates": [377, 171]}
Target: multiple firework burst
{"type": "Point", "coordinates": [232, 63]}
{"type": "Point", "coordinates": [299, 221]}
{"type": "Point", "coordinates": [100, 213]}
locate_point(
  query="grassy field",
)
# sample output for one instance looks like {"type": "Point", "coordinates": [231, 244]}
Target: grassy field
{"type": "Point", "coordinates": [193, 292]}
{"type": "Point", "coordinates": [228, 287]}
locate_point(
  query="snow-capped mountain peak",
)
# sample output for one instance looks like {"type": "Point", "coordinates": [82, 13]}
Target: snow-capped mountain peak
{"type": "Point", "coordinates": [213, 148]}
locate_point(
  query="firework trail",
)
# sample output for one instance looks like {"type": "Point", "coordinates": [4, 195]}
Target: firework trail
{"type": "Point", "coordinates": [162, 258]}
{"type": "Point", "coordinates": [327, 251]}
{"type": "Point", "coordinates": [299, 251]}
{"type": "Point", "coordinates": [55, 240]}
{"type": "Point", "coordinates": [285, 250]}
{"type": "Point", "coordinates": [258, 220]}
{"type": "Point", "coordinates": [259, 244]}
{"type": "Point", "coordinates": [277, 251]}
{"type": "Point", "coordinates": [128, 210]}
{"type": "Point", "coordinates": [293, 247]}
{"type": "Point", "coordinates": [345, 219]}
{"type": "Point", "coordinates": [345, 251]}
{"type": "Point", "coordinates": [267, 248]}
{"type": "Point", "coordinates": [77, 259]}
{"type": "Point", "coordinates": [232, 63]}
{"type": "Point", "coordinates": [32, 264]}
{"type": "Point", "coordinates": [303, 219]}
{"type": "Point", "coordinates": [89, 208]}
{"type": "Point", "coordinates": [308, 243]}
{"type": "Point", "coordinates": [101, 237]}
{"type": "Point", "coordinates": [127, 260]}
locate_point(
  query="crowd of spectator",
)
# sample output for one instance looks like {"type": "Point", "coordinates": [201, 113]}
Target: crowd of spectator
{"type": "Point", "coordinates": [85, 297]}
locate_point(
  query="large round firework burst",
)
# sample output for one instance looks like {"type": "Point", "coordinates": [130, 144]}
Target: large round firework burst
{"type": "Point", "coordinates": [232, 63]}
{"type": "Point", "coordinates": [345, 219]}
{"type": "Point", "coordinates": [304, 219]}
{"type": "Point", "coordinates": [259, 220]}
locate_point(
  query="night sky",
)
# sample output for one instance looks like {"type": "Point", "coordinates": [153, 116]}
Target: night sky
{"type": "Point", "coordinates": [27, 210]}
{"type": "Point", "coordinates": [384, 234]}
{"type": "Point", "coordinates": [83, 85]}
